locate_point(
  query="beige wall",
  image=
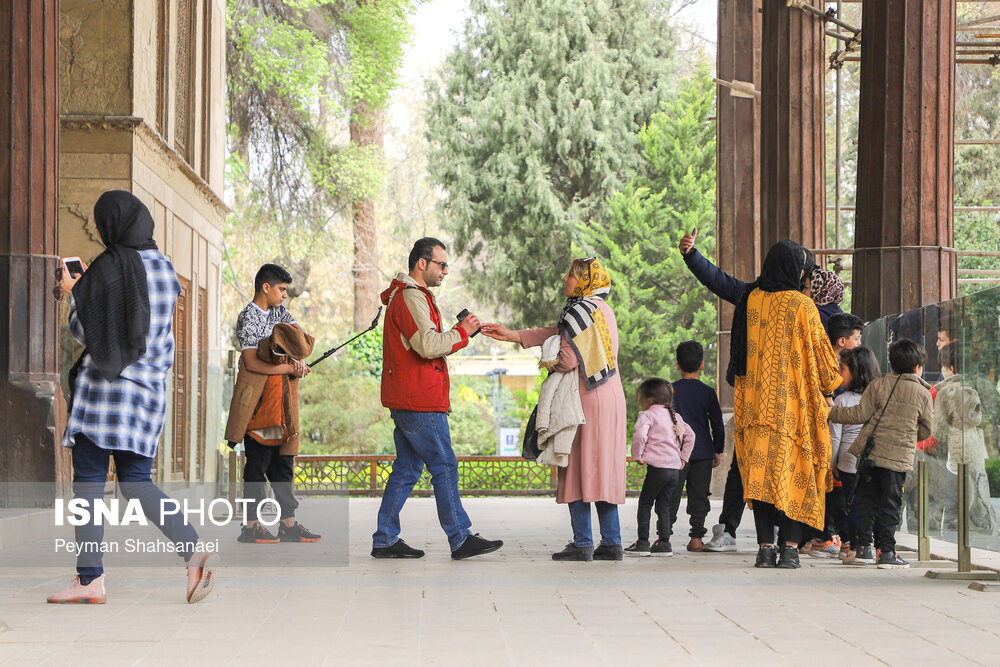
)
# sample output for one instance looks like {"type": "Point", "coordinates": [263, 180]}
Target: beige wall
{"type": "Point", "coordinates": [109, 53]}
{"type": "Point", "coordinates": [95, 43]}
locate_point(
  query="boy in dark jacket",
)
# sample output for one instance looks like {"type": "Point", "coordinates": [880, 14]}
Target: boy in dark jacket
{"type": "Point", "coordinates": [900, 405]}
{"type": "Point", "coordinates": [699, 407]}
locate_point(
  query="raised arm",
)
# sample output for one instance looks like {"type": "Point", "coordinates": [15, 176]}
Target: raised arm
{"type": "Point", "coordinates": [720, 283]}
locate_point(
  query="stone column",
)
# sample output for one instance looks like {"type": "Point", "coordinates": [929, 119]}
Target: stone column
{"type": "Point", "coordinates": [738, 161]}
{"type": "Point", "coordinates": [793, 122]}
{"type": "Point", "coordinates": [31, 403]}
{"type": "Point", "coordinates": [904, 256]}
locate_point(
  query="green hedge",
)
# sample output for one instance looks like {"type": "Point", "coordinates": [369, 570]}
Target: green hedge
{"type": "Point", "coordinates": [474, 476]}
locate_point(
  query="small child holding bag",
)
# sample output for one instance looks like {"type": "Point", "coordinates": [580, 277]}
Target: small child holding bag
{"type": "Point", "coordinates": [663, 442]}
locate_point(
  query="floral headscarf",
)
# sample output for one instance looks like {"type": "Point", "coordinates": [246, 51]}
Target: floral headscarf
{"type": "Point", "coordinates": [595, 282]}
{"type": "Point", "coordinates": [586, 328]}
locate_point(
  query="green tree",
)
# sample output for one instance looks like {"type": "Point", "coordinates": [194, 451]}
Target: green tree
{"type": "Point", "coordinates": [533, 126]}
{"type": "Point", "coordinates": [657, 302]}
{"type": "Point", "coordinates": [299, 73]}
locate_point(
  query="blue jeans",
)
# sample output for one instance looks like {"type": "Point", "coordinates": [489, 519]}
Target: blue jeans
{"type": "Point", "coordinates": [607, 516]}
{"type": "Point", "coordinates": [90, 473]}
{"type": "Point", "coordinates": [422, 438]}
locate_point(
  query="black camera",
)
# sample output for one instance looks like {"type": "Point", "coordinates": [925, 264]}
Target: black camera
{"type": "Point", "coordinates": [462, 315]}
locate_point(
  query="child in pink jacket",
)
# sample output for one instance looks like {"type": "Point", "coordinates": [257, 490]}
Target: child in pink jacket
{"type": "Point", "coordinates": [663, 442]}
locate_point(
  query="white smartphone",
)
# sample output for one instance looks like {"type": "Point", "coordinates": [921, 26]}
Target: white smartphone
{"type": "Point", "coordinates": [74, 265]}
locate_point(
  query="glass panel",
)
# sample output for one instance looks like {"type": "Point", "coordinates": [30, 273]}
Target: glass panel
{"type": "Point", "coordinates": [980, 410]}
{"type": "Point", "coordinates": [941, 331]}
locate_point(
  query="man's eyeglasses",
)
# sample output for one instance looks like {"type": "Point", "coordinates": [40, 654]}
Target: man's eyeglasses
{"type": "Point", "coordinates": [443, 265]}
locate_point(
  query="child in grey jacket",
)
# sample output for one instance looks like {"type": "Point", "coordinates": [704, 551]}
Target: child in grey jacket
{"type": "Point", "coordinates": [897, 411]}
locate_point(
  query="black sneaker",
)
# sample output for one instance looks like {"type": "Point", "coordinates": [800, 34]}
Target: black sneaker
{"type": "Point", "coordinates": [661, 548]}
{"type": "Point", "coordinates": [297, 533]}
{"type": "Point", "coordinates": [608, 552]}
{"type": "Point", "coordinates": [865, 554]}
{"type": "Point", "coordinates": [767, 557]}
{"type": "Point", "coordinates": [256, 534]}
{"type": "Point", "coordinates": [573, 552]}
{"type": "Point", "coordinates": [789, 558]}
{"type": "Point", "coordinates": [398, 549]}
{"type": "Point", "coordinates": [637, 548]}
{"type": "Point", "coordinates": [890, 560]}
{"type": "Point", "coordinates": [474, 545]}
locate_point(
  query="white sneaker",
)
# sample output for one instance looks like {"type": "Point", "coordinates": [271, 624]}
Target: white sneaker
{"type": "Point", "coordinates": [721, 540]}
{"type": "Point", "coordinates": [828, 550]}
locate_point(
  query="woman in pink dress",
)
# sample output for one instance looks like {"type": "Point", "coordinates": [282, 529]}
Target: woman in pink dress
{"type": "Point", "coordinates": [596, 470]}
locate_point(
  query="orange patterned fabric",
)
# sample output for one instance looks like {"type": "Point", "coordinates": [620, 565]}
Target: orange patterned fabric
{"type": "Point", "coordinates": [781, 432]}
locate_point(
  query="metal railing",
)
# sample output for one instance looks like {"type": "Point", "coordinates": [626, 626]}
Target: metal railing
{"type": "Point", "coordinates": [365, 475]}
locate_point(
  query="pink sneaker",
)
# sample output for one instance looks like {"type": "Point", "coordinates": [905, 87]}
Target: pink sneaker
{"type": "Point", "coordinates": [200, 577]}
{"type": "Point", "coordinates": [92, 593]}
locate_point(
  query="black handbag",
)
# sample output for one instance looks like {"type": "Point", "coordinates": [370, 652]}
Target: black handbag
{"type": "Point", "coordinates": [529, 448]}
{"type": "Point", "coordinates": [865, 463]}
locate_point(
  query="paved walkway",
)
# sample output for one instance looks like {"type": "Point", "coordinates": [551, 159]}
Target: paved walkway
{"type": "Point", "coordinates": [515, 607]}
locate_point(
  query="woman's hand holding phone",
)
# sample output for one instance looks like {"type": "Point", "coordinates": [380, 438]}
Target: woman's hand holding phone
{"type": "Point", "coordinates": [687, 242]}
{"type": "Point", "coordinates": [73, 268]}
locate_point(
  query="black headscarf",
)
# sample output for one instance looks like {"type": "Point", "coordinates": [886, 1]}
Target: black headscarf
{"type": "Point", "coordinates": [783, 270]}
{"type": "Point", "coordinates": [112, 298]}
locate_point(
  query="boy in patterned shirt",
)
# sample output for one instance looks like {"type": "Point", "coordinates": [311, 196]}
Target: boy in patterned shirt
{"type": "Point", "coordinates": [266, 462]}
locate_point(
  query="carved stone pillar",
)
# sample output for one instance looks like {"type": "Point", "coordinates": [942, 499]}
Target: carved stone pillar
{"type": "Point", "coordinates": [738, 161]}
{"type": "Point", "coordinates": [30, 399]}
{"type": "Point", "coordinates": [793, 121]}
{"type": "Point", "coordinates": [904, 256]}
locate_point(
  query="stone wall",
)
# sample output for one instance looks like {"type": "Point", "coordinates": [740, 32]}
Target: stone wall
{"type": "Point", "coordinates": [118, 66]}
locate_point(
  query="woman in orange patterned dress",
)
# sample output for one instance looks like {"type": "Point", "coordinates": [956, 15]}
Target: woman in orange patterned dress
{"type": "Point", "coordinates": [784, 368]}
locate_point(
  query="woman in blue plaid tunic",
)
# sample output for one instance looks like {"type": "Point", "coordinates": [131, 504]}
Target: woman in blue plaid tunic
{"type": "Point", "coordinates": [127, 413]}
{"type": "Point", "coordinates": [122, 310]}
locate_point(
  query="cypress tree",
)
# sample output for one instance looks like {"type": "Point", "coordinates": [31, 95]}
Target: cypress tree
{"type": "Point", "coordinates": [657, 302]}
{"type": "Point", "coordinates": [533, 126]}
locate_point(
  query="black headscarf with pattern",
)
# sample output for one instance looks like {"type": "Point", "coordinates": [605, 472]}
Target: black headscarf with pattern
{"type": "Point", "coordinates": [782, 271]}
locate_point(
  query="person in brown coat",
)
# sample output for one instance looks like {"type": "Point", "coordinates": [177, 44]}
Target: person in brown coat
{"type": "Point", "coordinates": [264, 409]}
{"type": "Point", "coordinates": [897, 411]}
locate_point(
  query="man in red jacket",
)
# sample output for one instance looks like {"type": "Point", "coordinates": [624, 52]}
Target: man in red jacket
{"type": "Point", "coordinates": [415, 389]}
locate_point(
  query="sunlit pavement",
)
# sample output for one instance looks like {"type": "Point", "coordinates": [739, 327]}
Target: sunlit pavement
{"type": "Point", "coordinates": [514, 607]}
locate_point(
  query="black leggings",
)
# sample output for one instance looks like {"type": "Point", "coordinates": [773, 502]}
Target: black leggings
{"type": "Point", "coordinates": [657, 489]}
{"type": "Point", "coordinates": [766, 517]}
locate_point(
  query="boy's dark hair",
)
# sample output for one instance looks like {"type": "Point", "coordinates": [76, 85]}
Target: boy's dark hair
{"type": "Point", "coordinates": [905, 355]}
{"type": "Point", "coordinates": [950, 357]}
{"type": "Point", "coordinates": [690, 355]}
{"type": "Point", "coordinates": [843, 325]}
{"type": "Point", "coordinates": [272, 274]}
{"type": "Point", "coordinates": [657, 390]}
{"type": "Point", "coordinates": [423, 249]}
{"type": "Point", "coordinates": [863, 366]}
